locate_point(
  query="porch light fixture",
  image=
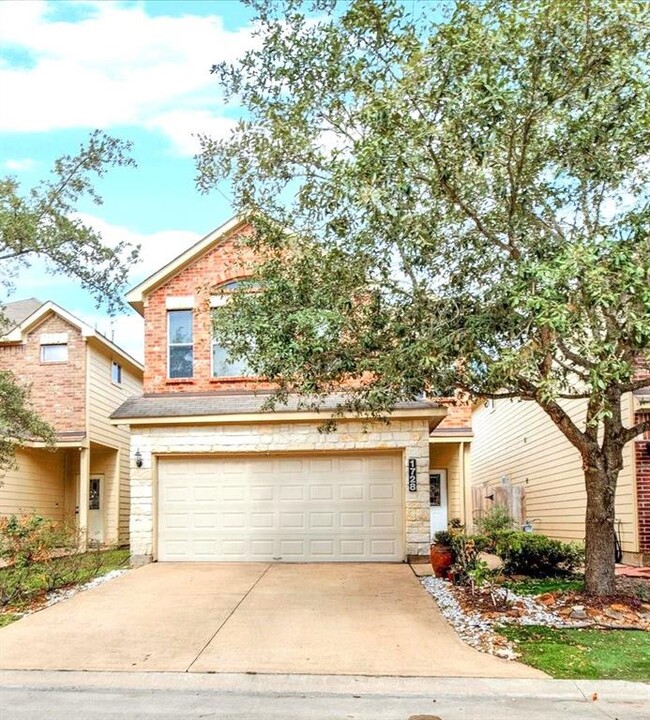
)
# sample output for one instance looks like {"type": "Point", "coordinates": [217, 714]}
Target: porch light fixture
{"type": "Point", "coordinates": [138, 458]}
{"type": "Point", "coordinates": [487, 497]}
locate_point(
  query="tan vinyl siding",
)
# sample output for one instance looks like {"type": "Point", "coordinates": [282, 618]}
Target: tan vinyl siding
{"type": "Point", "coordinates": [104, 397]}
{"type": "Point", "coordinates": [445, 456]}
{"type": "Point", "coordinates": [36, 485]}
{"type": "Point", "coordinates": [517, 441]}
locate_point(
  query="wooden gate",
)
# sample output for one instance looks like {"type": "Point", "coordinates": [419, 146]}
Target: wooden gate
{"type": "Point", "coordinates": [510, 497]}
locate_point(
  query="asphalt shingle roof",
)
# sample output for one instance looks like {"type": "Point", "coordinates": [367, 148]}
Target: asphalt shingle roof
{"type": "Point", "coordinates": [185, 404]}
{"type": "Point", "coordinates": [17, 312]}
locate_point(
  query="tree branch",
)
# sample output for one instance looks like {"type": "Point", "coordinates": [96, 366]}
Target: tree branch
{"type": "Point", "coordinates": [636, 430]}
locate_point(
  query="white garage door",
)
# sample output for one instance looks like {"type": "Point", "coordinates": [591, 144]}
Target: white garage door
{"type": "Point", "coordinates": [290, 508]}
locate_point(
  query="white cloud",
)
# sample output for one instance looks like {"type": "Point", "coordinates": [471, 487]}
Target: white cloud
{"type": "Point", "coordinates": [182, 128]}
{"type": "Point", "coordinates": [19, 164]}
{"type": "Point", "coordinates": [116, 67]}
{"type": "Point", "coordinates": [157, 248]}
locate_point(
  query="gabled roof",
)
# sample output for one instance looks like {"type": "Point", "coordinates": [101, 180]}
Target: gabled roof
{"type": "Point", "coordinates": [16, 312]}
{"type": "Point", "coordinates": [135, 297]}
{"type": "Point", "coordinates": [17, 334]}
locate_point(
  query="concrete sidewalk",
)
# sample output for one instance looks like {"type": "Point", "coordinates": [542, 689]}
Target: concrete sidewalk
{"type": "Point", "coordinates": [59, 696]}
{"type": "Point", "coordinates": [329, 619]}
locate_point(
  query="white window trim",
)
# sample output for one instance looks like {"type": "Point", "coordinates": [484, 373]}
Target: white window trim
{"type": "Point", "coordinates": [169, 345]}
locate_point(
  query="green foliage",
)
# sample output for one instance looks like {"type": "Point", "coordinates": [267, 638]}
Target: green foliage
{"type": "Point", "coordinates": [22, 585]}
{"type": "Point", "coordinates": [32, 538]}
{"type": "Point", "coordinates": [442, 537]}
{"type": "Point", "coordinates": [41, 223]}
{"type": "Point", "coordinates": [531, 586]}
{"type": "Point", "coordinates": [467, 188]}
{"type": "Point", "coordinates": [584, 654]}
{"type": "Point", "coordinates": [535, 555]}
{"type": "Point", "coordinates": [17, 420]}
{"type": "Point", "coordinates": [465, 551]}
{"type": "Point", "coordinates": [493, 524]}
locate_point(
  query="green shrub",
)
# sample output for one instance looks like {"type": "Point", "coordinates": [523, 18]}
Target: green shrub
{"type": "Point", "coordinates": [535, 555]}
{"type": "Point", "coordinates": [442, 537]}
{"type": "Point", "coordinates": [494, 524]}
{"type": "Point", "coordinates": [32, 538]}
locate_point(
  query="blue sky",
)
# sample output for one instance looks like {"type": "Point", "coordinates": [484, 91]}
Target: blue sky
{"type": "Point", "coordinates": [138, 70]}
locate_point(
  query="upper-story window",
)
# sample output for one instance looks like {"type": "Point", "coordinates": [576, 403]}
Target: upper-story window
{"type": "Point", "coordinates": [54, 347]}
{"type": "Point", "coordinates": [54, 353]}
{"type": "Point", "coordinates": [116, 373]}
{"type": "Point", "coordinates": [180, 359]}
{"type": "Point", "coordinates": [222, 364]}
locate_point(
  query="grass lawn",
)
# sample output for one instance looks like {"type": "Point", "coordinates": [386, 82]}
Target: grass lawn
{"type": "Point", "coordinates": [535, 586]}
{"type": "Point", "coordinates": [22, 587]}
{"type": "Point", "coordinates": [584, 654]}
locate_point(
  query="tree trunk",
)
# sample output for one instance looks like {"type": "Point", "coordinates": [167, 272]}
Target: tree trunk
{"type": "Point", "coordinates": [599, 530]}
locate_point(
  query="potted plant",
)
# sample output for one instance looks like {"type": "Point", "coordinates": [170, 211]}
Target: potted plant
{"type": "Point", "coordinates": [441, 556]}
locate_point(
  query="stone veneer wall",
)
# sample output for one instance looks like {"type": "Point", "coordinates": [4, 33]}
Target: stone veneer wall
{"type": "Point", "coordinates": [412, 436]}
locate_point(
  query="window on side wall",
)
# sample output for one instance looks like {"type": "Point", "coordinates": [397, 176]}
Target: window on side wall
{"type": "Point", "coordinates": [116, 373]}
{"type": "Point", "coordinates": [54, 353]}
{"type": "Point", "coordinates": [180, 356]}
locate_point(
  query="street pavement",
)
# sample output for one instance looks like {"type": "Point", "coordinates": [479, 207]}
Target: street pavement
{"type": "Point", "coordinates": [157, 696]}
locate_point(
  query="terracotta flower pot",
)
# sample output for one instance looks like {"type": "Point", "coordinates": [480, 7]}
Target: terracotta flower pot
{"type": "Point", "coordinates": [440, 560]}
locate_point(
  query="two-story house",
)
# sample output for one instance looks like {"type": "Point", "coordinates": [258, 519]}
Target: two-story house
{"type": "Point", "coordinates": [215, 476]}
{"type": "Point", "coordinates": [77, 377]}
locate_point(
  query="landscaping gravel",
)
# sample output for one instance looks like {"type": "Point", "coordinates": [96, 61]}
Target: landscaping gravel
{"type": "Point", "coordinates": [476, 629]}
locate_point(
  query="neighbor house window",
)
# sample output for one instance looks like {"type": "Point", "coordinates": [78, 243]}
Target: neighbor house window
{"type": "Point", "coordinates": [180, 343]}
{"type": "Point", "coordinates": [116, 373]}
{"type": "Point", "coordinates": [54, 353]}
{"type": "Point", "coordinates": [222, 364]}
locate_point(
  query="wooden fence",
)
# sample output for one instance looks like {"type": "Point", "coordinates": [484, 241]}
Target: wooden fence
{"type": "Point", "coordinates": [510, 497]}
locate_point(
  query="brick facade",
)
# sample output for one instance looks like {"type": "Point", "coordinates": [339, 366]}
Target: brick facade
{"type": "Point", "coordinates": [58, 391]}
{"type": "Point", "coordinates": [459, 414]}
{"type": "Point", "coordinates": [411, 436]}
{"type": "Point", "coordinates": [226, 261]}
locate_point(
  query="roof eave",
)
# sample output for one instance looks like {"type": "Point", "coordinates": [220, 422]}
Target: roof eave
{"type": "Point", "coordinates": [434, 415]}
{"type": "Point", "coordinates": [136, 296]}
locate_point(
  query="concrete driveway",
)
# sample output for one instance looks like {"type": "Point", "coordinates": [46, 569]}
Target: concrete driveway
{"type": "Point", "coordinates": [345, 619]}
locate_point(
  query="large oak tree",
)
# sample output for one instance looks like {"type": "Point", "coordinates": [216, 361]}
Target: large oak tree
{"type": "Point", "coordinates": [450, 196]}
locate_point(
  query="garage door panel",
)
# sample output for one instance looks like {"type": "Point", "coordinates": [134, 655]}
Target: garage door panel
{"type": "Point", "coordinates": [325, 508]}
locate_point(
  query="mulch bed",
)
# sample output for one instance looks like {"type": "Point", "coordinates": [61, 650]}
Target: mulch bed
{"type": "Point", "coordinates": [628, 609]}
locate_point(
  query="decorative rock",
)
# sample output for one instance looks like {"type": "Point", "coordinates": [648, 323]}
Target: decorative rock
{"type": "Point", "coordinates": [578, 613]}
{"type": "Point", "coordinates": [546, 599]}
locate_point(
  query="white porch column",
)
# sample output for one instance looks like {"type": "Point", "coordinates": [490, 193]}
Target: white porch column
{"type": "Point", "coordinates": [84, 498]}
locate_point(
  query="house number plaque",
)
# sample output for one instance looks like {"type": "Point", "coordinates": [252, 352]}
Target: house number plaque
{"type": "Point", "coordinates": [413, 475]}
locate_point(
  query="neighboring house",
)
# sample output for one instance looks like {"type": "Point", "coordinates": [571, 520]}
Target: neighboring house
{"type": "Point", "coordinates": [215, 476]}
{"type": "Point", "coordinates": [77, 378]}
{"type": "Point", "coordinates": [517, 447]}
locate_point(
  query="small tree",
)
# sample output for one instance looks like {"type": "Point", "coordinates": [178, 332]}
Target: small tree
{"type": "Point", "coordinates": [41, 223]}
{"type": "Point", "coordinates": [467, 190]}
